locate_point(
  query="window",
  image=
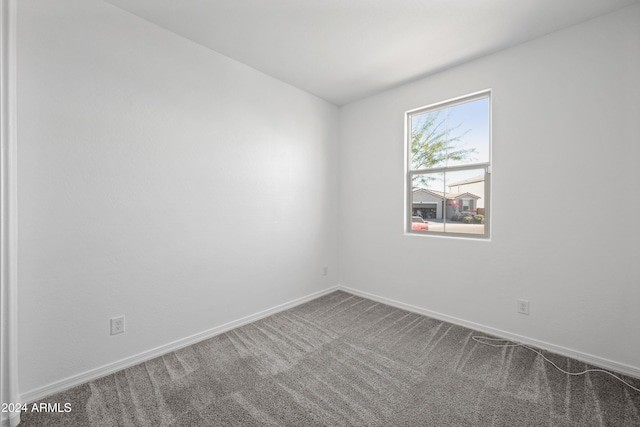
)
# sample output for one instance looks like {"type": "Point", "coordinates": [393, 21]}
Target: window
{"type": "Point", "coordinates": [449, 166]}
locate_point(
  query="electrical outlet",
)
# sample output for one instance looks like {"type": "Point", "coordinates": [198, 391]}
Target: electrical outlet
{"type": "Point", "coordinates": [325, 271]}
{"type": "Point", "coordinates": [117, 325]}
{"type": "Point", "coordinates": [523, 307]}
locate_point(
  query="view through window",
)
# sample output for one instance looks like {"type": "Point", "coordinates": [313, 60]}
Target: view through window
{"type": "Point", "coordinates": [449, 166]}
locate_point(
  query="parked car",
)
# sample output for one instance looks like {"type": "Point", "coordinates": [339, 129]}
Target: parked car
{"type": "Point", "coordinates": [417, 223]}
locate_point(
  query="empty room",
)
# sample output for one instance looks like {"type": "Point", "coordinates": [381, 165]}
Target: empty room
{"type": "Point", "coordinates": [320, 213]}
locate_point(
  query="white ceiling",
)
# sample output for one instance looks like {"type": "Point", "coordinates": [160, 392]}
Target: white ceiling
{"type": "Point", "coordinates": [344, 50]}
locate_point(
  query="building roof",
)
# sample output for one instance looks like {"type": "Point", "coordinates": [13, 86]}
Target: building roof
{"type": "Point", "coordinates": [441, 195]}
{"type": "Point", "coordinates": [479, 178]}
{"type": "Point", "coordinates": [465, 195]}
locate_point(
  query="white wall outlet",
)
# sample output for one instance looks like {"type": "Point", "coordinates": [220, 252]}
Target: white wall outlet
{"type": "Point", "coordinates": [325, 271]}
{"type": "Point", "coordinates": [117, 325]}
{"type": "Point", "coordinates": [523, 306]}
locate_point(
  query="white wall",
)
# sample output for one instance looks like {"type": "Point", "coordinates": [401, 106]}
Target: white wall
{"type": "Point", "coordinates": [566, 111]}
{"type": "Point", "coordinates": [159, 180]}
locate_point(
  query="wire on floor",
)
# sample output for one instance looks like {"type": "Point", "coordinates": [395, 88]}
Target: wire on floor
{"type": "Point", "coordinates": [508, 343]}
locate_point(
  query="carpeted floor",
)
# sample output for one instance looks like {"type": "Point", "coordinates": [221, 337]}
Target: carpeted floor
{"type": "Point", "coordinates": [342, 360]}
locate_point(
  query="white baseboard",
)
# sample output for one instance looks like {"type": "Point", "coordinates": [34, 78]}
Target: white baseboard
{"type": "Point", "coordinates": [6, 421]}
{"type": "Point", "coordinates": [93, 374]}
{"type": "Point", "coordinates": [611, 365]}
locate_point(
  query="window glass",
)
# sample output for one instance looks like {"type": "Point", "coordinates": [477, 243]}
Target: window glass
{"type": "Point", "coordinates": [468, 125]}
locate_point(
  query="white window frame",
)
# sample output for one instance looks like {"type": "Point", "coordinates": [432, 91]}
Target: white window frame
{"type": "Point", "coordinates": [487, 166]}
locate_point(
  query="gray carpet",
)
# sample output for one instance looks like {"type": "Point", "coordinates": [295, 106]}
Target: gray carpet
{"type": "Point", "coordinates": [342, 360]}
